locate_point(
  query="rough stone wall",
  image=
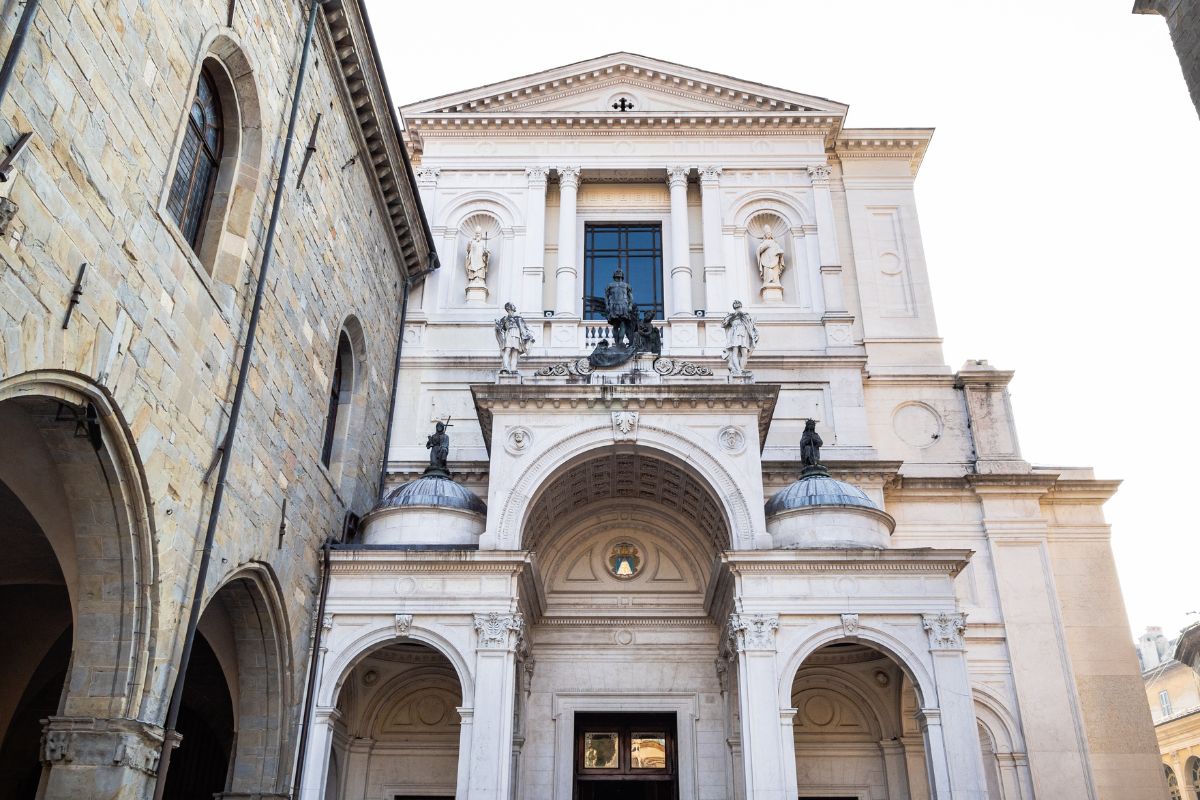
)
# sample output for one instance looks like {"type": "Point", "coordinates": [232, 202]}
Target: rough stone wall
{"type": "Point", "coordinates": [1183, 20]}
{"type": "Point", "coordinates": [105, 87]}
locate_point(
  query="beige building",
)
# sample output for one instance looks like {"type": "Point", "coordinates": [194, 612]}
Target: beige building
{"type": "Point", "coordinates": [1173, 694]}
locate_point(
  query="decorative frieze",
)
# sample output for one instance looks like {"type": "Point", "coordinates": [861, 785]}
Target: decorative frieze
{"type": "Point", "coordinates": [945, 630]}
{"type": "Point", "coordinates": [749, 632]}
{"type": "Point", "coordinates": [494, 629]}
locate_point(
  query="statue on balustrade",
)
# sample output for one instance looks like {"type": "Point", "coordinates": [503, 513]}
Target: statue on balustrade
{"type": "Point", "coordinates": [647, 339]}
{"type": "Point", "coordinates": [741, 337]}
{"type": "Point", "coordinates": [513, 336]}
{"type": "Point", "coordinates": [771, 263]}
{"type": "Point", "coordinates": [620, 311]}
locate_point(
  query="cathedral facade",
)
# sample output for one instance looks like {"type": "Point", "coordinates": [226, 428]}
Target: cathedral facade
{"type": "Point", "coordinates": [683, 501]}
{"type": "Point", "coordinates": [581, 436]}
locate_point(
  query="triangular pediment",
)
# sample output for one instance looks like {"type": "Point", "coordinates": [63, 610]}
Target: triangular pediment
{"type": "Point", "coordinates": [645, 85]}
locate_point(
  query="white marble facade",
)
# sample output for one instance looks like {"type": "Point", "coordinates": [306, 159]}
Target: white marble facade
{"type": "Point", "coordinates": [982, 652]}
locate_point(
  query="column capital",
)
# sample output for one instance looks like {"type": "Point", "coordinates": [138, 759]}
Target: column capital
{"type": "Point", "coordinates": [945, 630]}
{"type": "Point", "coordinates": [819, 173]}
{"type": "Point", "coordinates": [568, 177]}
{"type": "Point", "coordinates": [748, 632]}
{"type": "Point", "coordinates": [496, 630]}
{"type": "Point", "coordinates": [927, 717]}
{"type": "Point", "coordinates": [709, 176]}
{"type": "Point", "coordinates": [678, 176]}
{"type": "Point", "coordinates": [427, 176]}
{"type": "Point", "coordinates": [537, 175]}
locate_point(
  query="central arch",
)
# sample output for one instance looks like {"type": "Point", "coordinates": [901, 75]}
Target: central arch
{"type": "Point", "coordinates": [582, 444]}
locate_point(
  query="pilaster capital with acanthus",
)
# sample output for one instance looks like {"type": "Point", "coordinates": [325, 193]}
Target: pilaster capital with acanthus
{"type": "Point", "coordinates": [819, 173]}
{"type": "Point", "coordinates": [750, 632]}
{"type": "Point", "coordinates": [498, 631]}
{"type": "Point", "coordinates": [537, 175]}
{"type": "Point", "coordinates": [945, 630]}
{"type": "Point", "coordinates": [427, 176]}
{"type": "Point", "coordinates": [710, 176]}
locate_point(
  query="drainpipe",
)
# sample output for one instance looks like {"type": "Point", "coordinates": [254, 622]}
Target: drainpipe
{"type": "Point", "coordinates": [170, 734]}
{"type": "Point", "coordinates": [313, 667]}
{"type": "Point", "coordinates": [16, 45]}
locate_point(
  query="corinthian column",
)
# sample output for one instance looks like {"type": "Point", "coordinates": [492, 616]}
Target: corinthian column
{"type": "Point", "coordinates": [489, 772]}
{"type": "Point", "coordinates": [764, 751]}
{"type": "Point", "coordinates": [681, 267]}
{"type": "Point", "coordinates": [710, 216]}
{"type": "Point", "coordinates": [566, 290]}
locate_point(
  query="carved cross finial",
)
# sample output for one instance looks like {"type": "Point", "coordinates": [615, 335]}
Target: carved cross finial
{"type": "Point", "coordinates": [623, 105]}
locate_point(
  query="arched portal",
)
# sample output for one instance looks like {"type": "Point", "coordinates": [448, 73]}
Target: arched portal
{"type": "Point", "coordinates": [855, 729]}
{"type": "Point", "coordinates": [235, 695]}
{"type": "Point", "coordinates": [621, 648]}
{"type": "Point", "coordinates": [398, 726]}
{"type": "Point", "coordinates": [76, 574]}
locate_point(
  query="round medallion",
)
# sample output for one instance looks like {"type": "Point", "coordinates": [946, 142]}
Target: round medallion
{"type": "Point", "coordinates": [624, 560]}
{"type": "Point", "coordinates": [731, 439]}
{"type": "Point", "coordinates": [624, 637]}
{"type": "Point", "coordinates": [917, 424]}
{"type": "Point", "coordinates": [819, 710]}
{"type": "Point", "coordinates": [518, 440]}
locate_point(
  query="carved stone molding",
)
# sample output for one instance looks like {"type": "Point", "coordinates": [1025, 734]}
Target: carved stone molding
{"type": "Point", "coordinates": [537, 175]}
{"type": "Point", "coordinates": [427, 176]}
{"type": "Point", "coordinates": [494, 629]}
{"type": "Point", "coordinates": [677, 366]}
{"type": "Point", "coordinates": [945, 630]}
{"type": "Point", "coordinates": [625, 424]}
{"type": "Point", "coordinates": [518, 440]}
{"type": "Point", "coordinates": [710, 174]}
{"type": "Point", "coordinates": [819, 173]}
{"type": "Point", "coordinates": [731, 439]}
{"type": "Point", "coordinates": [850, 624]}
{"type": "Point", "coordinates": [403, 623]}
{"type": "Point", "coordinates": [749, 632]}
{"type": "Point", "coordinates": [95, 742]}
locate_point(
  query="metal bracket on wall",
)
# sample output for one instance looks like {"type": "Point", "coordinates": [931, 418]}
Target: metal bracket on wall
{"type": "Point", "coordinates": [6, 166]}
{"type": "Point", "coordinates": [76, 293]}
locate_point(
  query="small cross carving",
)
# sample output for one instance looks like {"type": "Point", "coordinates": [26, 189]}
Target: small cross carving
{"type": "Point", "coordinates": [623, 105]}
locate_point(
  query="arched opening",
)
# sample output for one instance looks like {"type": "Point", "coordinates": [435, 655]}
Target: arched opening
{"type": "Point", "coordinates": [199, 159]}
{"type": "Point", "coordinates": [855, 731]}
{"type": "Point", "coordinates": [622, 645]}
{"type": "Point", "coordinates": [337, 417]}
{"type": "Point", "coordinates": [72, 602]}
{"type": "Point", "coordinates": [1172, 783]}
{"type": "Point", "coordinates": [398, 727]}
{"type": "Point", "coordinates": [1193, 775]}
{"type": "Point", "coordinates": [231, 717]}
{"type": "Point", "coordinates": [991, 766]}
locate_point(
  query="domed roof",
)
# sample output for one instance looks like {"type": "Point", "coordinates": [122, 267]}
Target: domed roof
{"type": "Point", "coordinates": [819, 490]}
{"type": "Point", "coordinates": [433, 491]}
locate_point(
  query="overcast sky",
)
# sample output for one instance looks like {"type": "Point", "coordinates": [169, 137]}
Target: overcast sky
{"type": "Point", "coordinates": [1058, 202]}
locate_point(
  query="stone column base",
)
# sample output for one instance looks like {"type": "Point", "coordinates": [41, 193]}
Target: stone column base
{"type": "Point", "coordinates": [771, 294]}
{"type": "Point", "coordinates": [745, 377]}
{"type": "Point", "coordinates": [100, 759]}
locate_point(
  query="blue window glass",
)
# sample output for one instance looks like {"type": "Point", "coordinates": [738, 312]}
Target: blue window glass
{"type": "Point", "coordinates": [637, 250]}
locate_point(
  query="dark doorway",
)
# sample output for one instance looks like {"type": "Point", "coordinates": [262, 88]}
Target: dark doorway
{"type": "Point", "coordinates": [200, 766]}
{"type": "Point", "coordinates": [625, 757]}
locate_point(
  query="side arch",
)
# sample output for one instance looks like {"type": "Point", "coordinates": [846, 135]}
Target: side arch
{"type": "Point", "coordinates": [1000, 723]}
{"type": "Point", "coordinates": [905, 657]}
{"type": "Point", "coordinates": [115, 621]}
{"type": "Point", "coordinates": [577, 443]}
{"type": "Point", "coordinates": [456, 212]}
{"type": "Point", "coordinates": [334, 675]}
{"type": "Point", "coordinates": [880, 724]}
{"type": "Point", "coordinates": [756, 202]}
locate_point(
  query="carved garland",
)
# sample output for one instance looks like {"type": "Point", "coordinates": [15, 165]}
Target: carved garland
{"type": "Point", "coordinates": [663, 366]}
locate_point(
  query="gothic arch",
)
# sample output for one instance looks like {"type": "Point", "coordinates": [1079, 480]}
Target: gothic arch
{"type": "Point", "coordinates": [103, 506]}
{"type": "Point", "coordinates": [580, 443]}
{"type": "Point", "coordinates": [916, 669]}
{"type": "Point", "coordinates": [225, 236]}
{"type": "Point", "coordinates": [383, 632]}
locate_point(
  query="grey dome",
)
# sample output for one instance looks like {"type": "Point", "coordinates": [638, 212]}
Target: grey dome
{"type": "Point", "coordinates": [433, 491]}
{"type": "Point", "coordinates": [819, 490]}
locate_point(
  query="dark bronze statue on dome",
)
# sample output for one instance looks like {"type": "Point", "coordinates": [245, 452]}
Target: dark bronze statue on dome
{"type": "Point", "coordinates": [438, 444]}
{"type": "Point", "coordinates": [810, 450]}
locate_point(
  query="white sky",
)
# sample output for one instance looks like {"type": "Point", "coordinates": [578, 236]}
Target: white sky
{"type": "Point", "coordinates": [1058, 202]}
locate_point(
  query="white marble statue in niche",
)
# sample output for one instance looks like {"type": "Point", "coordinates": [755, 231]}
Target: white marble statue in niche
{"type": "Point", "coordinates": [477, 260]}
{"type": "Point", "coordinates": [771, 260]}
{"type": "Point", "coordinates": [741, 337]}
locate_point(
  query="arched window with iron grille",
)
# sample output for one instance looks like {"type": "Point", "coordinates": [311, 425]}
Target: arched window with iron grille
{"type": "Point", "coordinates": [199, 161]}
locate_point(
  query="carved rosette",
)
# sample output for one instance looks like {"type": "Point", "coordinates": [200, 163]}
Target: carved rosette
{"type": "Point", "coordinates": [625, 425]}
{"type": "Point", "coordinates": [850, 624]}
{"type": "Point", "coordinates": [748, 632]}
{"type": "Point", "coordinates": [495, 629]}
{"type": "Point", "coordinates": [945, 630]}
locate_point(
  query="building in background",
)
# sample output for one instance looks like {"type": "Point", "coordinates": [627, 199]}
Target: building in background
{"type": "Point", "coordinates": [132, 233]}
{"type": "Point", "coordinates": [755, 539]}
{"type": "Point", "coordinates": [1183, 20]}
{"type": "Point", "coordinates": [1173, 693]}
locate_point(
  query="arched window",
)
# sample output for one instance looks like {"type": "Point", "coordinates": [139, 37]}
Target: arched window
{"type": "Point", "coordinates": [1194, 776]}
{"type": "Point", "coordinates": [339, 398]}
{"type": "Point", "coordinates": [199, 159]}
{"type": "Point", "coordinates": [1172, 783]}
